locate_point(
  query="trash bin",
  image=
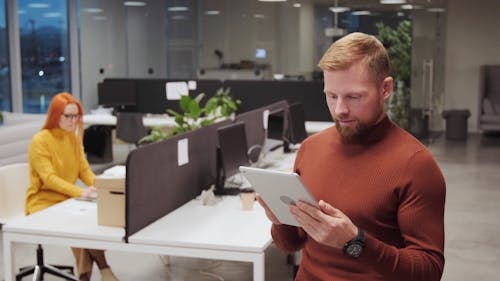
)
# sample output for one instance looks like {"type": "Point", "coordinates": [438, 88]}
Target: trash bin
{"type": "Point", "coordinates": [456, 123]}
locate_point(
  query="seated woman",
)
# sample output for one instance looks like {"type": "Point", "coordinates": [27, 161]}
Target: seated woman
{"type": "Point", "coordinates": [57, 160]}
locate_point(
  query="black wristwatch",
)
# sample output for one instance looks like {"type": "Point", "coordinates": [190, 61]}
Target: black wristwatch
{"type": "Point", "coordinates": [354, 248]}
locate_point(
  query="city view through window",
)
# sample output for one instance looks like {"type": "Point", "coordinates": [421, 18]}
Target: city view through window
{"type": "Point", "coordinates": [45, 61]}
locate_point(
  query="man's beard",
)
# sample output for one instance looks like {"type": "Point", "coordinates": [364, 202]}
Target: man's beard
{"type": "Point", "coordinates": [359, 132]}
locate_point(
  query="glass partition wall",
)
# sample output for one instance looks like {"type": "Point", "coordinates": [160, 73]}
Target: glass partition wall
{"type": "Point", "coordinates": [181, 39]}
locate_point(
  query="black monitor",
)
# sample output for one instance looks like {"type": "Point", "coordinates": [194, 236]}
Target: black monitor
{"type": "Point", "coordinates": [117, 94]}
{"type": "Point", "coordinates": [296, 123]}
{"type": "Point", "coordinates": [231, 154]}
{"type": "Point", "coordinates": [277, 127]}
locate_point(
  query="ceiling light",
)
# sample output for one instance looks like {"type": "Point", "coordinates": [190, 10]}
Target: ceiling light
{"type": "Point", "coordinates": [258, 16]}
{"type": "Point", "coordinates": [134, 3]}
{"type": "Point", "coordinates": [297, 5]}
{"type": "Point", "coordinates": [178, 9]}
{"type": "Point", "coordinates": [339, 9]}
{"type": "Point", "coordinates": [361, 13]}
{"type": "Point", "coordinates": [436, 10]}
{"type": "Point", "coordinates": [272, 0]}
{"type": "Point", "coordinates": [212, 13]}
{"type": "Point", "coordinates": [392, 1]}
{"type": "Point", "coordinates": [39, 5]}
{"type": "Point", "coordinates": [92, 10]}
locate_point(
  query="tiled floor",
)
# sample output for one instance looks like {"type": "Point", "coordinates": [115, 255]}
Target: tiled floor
{"type": "Point", "coordinates": [472, 173]}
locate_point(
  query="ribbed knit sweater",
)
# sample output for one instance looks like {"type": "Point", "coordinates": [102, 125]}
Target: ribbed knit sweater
{"type": "Point", "coordinates": [57, 160]}
{"type": "Point", "coordinates": [389, 185]}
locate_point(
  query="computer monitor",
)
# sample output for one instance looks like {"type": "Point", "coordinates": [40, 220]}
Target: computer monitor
{"type": "Point", "coordinates": [276, 136]}
{"type": "Point", "coordinates": [117, 94]}
{"type": "Point", "coordinates": [231, 153]}
{"type": "Point", "coordinates": [296, 123]}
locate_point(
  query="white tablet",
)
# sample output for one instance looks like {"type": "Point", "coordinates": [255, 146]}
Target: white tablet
{"type": "Point", "coordinates": [278, 190]}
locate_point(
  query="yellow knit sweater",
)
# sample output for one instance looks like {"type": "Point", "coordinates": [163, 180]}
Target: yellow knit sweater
{"type": "Point", "coordinates": [57, 160]}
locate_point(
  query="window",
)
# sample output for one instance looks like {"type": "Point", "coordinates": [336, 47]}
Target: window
{"type": "Point", "coordinates": [45, 63]}
{"type": "Point", "coordinates": [5, 102]}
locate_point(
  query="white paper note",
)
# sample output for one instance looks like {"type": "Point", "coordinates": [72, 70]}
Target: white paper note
{"type": "Point", "coordinates": [192, 85]}
{"type": "Point", "coordinates": [175, 90]}
{"type": "Point", "coordinates": [182, 152]}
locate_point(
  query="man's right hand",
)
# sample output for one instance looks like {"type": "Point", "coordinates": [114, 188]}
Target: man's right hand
{"type": "Point", "coordinates": [270, 215]}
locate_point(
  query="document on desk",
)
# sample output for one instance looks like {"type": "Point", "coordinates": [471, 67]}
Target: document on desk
{"type": "Point", "coordinates": [116, 171]}
{"type": "Point", "coordinates": [79, 207]}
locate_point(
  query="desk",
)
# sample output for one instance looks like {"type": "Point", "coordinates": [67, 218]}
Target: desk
{"type": "Point", "coordinates": [69, 223]}
{"type": "Point", "coordinates": [110, 120]}
{"type": "Point", "coordinates": [223, 231]}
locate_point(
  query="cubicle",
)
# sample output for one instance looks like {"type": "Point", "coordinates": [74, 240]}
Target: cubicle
{"type": "Point", "coordinates": [163, 176]}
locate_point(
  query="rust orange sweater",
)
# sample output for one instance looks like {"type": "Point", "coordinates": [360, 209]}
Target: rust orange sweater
{"type": "Point", "coordinates": [390, 186]}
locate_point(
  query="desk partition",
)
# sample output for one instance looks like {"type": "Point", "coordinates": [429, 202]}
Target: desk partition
{"type": "Point", "coordinates": [156, 184]}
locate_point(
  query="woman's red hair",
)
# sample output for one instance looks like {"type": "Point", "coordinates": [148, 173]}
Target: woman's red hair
{"type": "Point", "coordinates": [56, 109]}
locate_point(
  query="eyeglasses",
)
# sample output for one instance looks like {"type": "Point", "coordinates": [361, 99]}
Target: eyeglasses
{"type": "Point", "coordinates": [71, 116]}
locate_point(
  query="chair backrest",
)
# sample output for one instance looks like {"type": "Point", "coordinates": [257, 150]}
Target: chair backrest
{"type": "Point", "coordinates": [129, 127]}
{"type": "Point", "coordinates": [14, 181]}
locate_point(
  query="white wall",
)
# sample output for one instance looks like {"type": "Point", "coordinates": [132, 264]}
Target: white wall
{"type": "Point", "coordinates": [472, 39]}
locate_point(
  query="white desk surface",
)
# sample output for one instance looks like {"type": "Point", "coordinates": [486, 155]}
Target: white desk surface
{"type": "Point", "coordinates": [71, 218]}
{"type": "Point", "coordinates": [313, 127]}
{"type": "Point", "coordinates": [149, 120]}
{"type": "Point", "coordinates": [224, 226]}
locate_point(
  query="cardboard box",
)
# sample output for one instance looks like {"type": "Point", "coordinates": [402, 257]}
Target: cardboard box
{"type": "Point", "coordinates": [110, 200]}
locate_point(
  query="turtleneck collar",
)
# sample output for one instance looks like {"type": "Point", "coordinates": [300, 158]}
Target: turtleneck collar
{"type": "Point", "coordinates": [374, 134]}
{"type": "Point", "coordinates": [59, 133]}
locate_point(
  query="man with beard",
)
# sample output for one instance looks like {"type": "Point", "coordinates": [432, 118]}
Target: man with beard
{"type": "Point", "coordinates": [381, 194]}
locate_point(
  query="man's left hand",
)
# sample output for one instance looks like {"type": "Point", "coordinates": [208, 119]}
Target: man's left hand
{"type": "Point", "coordinates": [326, 225]}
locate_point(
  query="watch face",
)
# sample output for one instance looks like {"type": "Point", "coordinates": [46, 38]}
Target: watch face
{"type": "Point", "coordinates": [354, 250]}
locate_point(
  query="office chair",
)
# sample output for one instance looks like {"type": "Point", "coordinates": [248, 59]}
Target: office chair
{"type": "Point", "coordinates": [14, 180]}
{"type": "Point", "coordinates": [129, 127]}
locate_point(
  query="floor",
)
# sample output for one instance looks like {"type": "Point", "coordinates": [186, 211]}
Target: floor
{"type": "Point", "coordinates": [472, 173]}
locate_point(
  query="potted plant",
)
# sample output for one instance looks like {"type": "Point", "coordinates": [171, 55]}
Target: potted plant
{"type": "Point", "coordinates": [398, 44]}
{"type": "Point", "coordinates": [222, 104]}
{"type": "Point", "coordinates": [193, 116]}
{"type": "Point", "coordinates": [1, 118]}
